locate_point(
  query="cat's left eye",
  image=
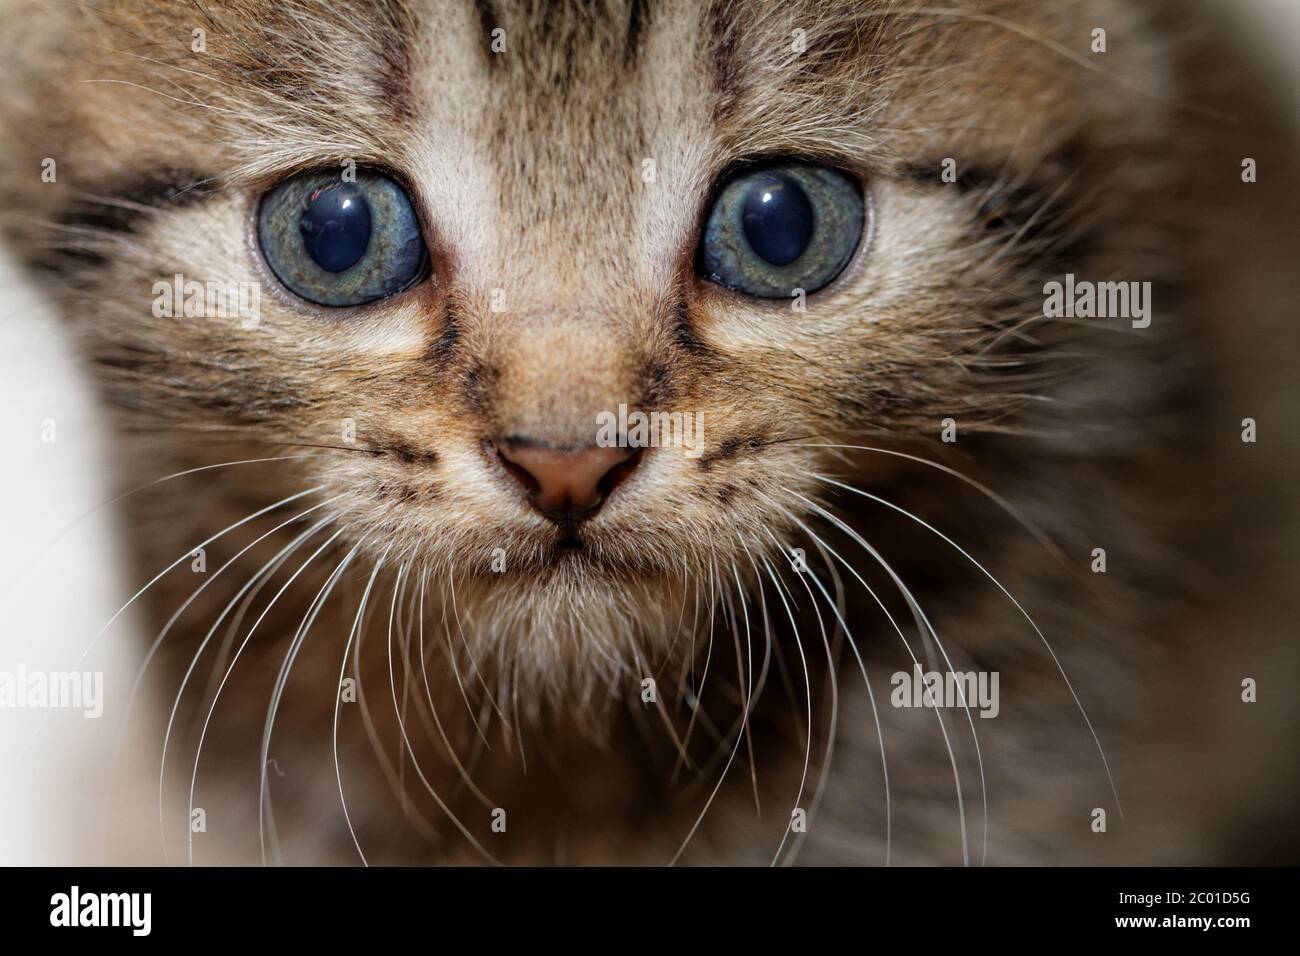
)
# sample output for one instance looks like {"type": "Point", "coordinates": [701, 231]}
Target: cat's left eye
{"type": "Point", "coordinates": [782, 227]}
{"type": "Point", "coordinates": [339, 242]}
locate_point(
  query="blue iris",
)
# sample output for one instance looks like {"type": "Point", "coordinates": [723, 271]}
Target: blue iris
{"type": "Point", "coordinates": [342, 243]}
{"type": "Point", "coordinates": [777, 217]}
{"type": "Point", "coordinates": [336, 226]}
{"type": "Point", "coordinates": [782, 228]}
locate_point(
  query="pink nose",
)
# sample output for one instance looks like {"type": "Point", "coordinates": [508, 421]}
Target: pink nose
{"type": "Point", "coordinates": [567, 485]}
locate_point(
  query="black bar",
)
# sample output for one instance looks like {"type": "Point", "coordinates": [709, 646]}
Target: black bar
{"type": "Point", "coordinates": [650, 908]}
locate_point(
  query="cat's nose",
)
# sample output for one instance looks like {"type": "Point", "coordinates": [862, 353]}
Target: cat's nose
{"type": "Point", "coordinates": [567, 485]}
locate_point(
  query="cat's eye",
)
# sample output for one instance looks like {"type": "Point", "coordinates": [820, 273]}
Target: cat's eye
{"type": "Point", "coordinates": [781, 227]}
{"type": "Point", "coordinates": [340, 242]}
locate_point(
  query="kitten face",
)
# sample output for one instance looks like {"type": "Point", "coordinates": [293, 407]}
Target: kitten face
{"type": "Point", "coordinates": [561, 184]}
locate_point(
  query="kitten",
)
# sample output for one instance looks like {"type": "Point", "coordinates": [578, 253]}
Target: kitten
{"type": "Point", "coordinates": [368, 279]}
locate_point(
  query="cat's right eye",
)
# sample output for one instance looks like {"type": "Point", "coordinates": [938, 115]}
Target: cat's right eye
{"type": "Point", "coordinates": [342, 243]}
{"type": "Point", "coordinates": [782, 227]}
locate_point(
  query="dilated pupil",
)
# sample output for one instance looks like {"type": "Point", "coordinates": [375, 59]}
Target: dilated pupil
{"type": "Point", "coordinates": [777, 217]}
{"type": "Point", "coordinates": [335, 226]}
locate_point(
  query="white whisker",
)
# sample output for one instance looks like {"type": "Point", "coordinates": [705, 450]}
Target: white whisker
{"type": "Point", "coordinates": [171, 621]}
{"type": "Point", "coordinates": [415, 763]}
{"type": "Point", "coordinates": [202, 544]}
{"type": "Point", "coordinates": [696, 692]}
{"type": "Point", "coordinates": [266, 569]}
{"type": "Point", "coordinates": [423, 826]}
{"type": "Point", "coordinates": [807, 753]}
{"type": "Point", "coordinates": [744, 724]}
{"type": "Point", "coordinates": [229, 670]}
{"type": "Point", "coordinates": [834, 718]}
{"type": "Point", "coordinates": [433, 709]}
{"type": "Point", "coordinates": [871, 696]}
{"type": "Point", "coordinates": [983, 489]}
{"type": "Point", "coordinates": [1078, 703]}
{"type": "Point", "coordinates": [281, 681]}
{"type": "Point", "coordinates": [62, 532]}
{"type": "Point", "coordinates": [923, 627]}
{"type": "Point", "coordinates": [338, 699]}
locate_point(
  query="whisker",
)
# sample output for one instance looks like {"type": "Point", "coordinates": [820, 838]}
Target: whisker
{"type": "Point", "coordinates": [833, 683]}
{"type": "Point", "coordinates": [681, 619]}
{"type": "Point", "coordinates": [787, 684]}
{"type": "Point", "coordinates": [1055, 660]}
{"type": "Point", "coordinates": [166, 629]}
{"type": "Point", "coordinates": [930, 629]}
{"type": "Point", "coordinates": [708, 656]}
{"type": "Point", "coordinates": [943, 727]}
{"type": "Point", "coordinates": [423, 826]}
{"type": "Point", "coordinates": [338, 699]}
{"type": "Point", "coordinates": [664, 717]}
{"type": "Point", "coordinates": [807, 753]}
{"type": "Point", "coordinates": [415, 763]}
{"type": "Point", "coordinates": [433, 710]}
{"type": "Point", "coordinates": [164, 571]}
{"type": "Point", "coordinates": [404, 647]}
{"type": "Point", "coordinates": [751, 693]}
{"type": "Point", "coordinates": [741, 734]}
{"type": "Point", "coordinates": [207, 721]}
{"type": "Point", "coordinates": [989, 493]}
{"type": "Point", "coordinates": [871, 696]}
{"type": "Point", "coordinates": [455, 668]}
{"type": "Point", "coordinates": [227, 645]}
{"type": "Point", "coordinates": [268, 568]}
{"type": "Point", "coordinates": [764, 671]}
{"type": "Point", "coordinates": [1046, 42]}
{"type": "Point", "coordinates": [49, 545]}
{"type": "Point", "coordinates": [281, 681]}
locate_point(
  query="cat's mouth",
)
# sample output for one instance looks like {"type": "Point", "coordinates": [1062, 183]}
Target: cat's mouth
{"type": "Point", "coordinates": [569, 541]}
